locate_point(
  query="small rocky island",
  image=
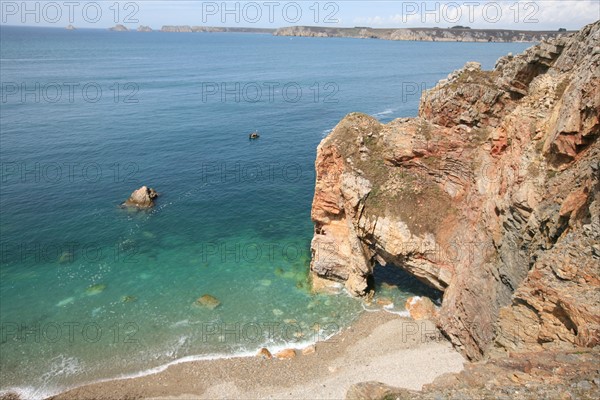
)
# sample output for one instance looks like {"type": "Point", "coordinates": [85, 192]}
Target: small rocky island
{"type": "Point", "coordinates": [142, 198]}
{"type": "Point", "coordinates": [119, 28]}
{"type": "Point", "coordinates": [144, 28]}
{"type": "Point", "coordinates": [70, 28]}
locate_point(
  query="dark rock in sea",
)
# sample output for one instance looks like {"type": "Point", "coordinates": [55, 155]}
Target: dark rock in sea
{"type": "Point", "coordinates": [70, 28]}
{"type": "Point", "coordinates": [142, 198]}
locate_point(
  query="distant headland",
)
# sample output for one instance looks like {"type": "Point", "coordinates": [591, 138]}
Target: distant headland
{"type": "Point", "coordinates": [454, 34]}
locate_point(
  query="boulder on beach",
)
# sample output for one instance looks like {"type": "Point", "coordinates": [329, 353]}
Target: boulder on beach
{"type": "Point", "coordinates": [286, 354]}
{"type": "Point", "coordinates": [421, 308]}
{"type": "Point", "coordinates": [142, 198]}
{"type": "Point", "coordinates": [309, 350]}
{"type": "Point", "coordinates": [264, 353]}
{"type": "Point", "coordinates": [207, 301]}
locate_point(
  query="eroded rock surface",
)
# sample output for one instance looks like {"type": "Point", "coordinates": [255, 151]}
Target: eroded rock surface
{"type": "Point", "coordinates": [142, 198]}
{"type": "Point", "coordinates": [490, 195]}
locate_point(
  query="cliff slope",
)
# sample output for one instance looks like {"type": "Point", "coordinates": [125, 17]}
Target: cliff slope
{"type": "Point", "coordinates": [490, 195]}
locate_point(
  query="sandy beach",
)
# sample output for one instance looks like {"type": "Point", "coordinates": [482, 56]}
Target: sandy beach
{"type": "Point", "coordinates": [379, 346]}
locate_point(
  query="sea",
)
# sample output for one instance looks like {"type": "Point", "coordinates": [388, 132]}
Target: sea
{"type": "Point", "coordinates": [91, 291]}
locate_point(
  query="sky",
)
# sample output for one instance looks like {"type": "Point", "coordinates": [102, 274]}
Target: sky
{"type": "Point", "coordinates": [482, 14]}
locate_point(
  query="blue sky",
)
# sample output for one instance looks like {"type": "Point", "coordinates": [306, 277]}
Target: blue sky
{"type": "Point", "coordinates": [505, 14]}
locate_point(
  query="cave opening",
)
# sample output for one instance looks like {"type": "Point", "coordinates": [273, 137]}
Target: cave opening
{"type": "Point", "coordinates": [387, 279]}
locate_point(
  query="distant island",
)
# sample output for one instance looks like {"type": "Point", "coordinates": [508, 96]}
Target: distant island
{"type": "Point", "coordinates": [455, 34]}
{"type": "Point", "coordinates": [187, 28]}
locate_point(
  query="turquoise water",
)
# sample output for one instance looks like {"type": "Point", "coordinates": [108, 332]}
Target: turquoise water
{"type": "Point", "coordinates": [90, 291]}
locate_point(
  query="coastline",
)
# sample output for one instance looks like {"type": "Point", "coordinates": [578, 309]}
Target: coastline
{"type": "Point", "coordinates": [378, 346]}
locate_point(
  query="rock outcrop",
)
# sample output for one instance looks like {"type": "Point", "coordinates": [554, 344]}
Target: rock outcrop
{"type": "Point", "coordinates": [119, 28]}
{"type": "Point", "coordinates": [142, 198]}
{"type": "Point", "coordinates": [523, 376]}
{"type": "Point", "coordinates": [144, 28]}
{"type": "Point", "coordinates": [422, 34]}
{"type": "Point", "coordinates": [490, 195]}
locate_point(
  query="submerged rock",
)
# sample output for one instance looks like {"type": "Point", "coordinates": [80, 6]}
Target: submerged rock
{"type": "Point", "coordinates": [119, 28]}
{"type": "Point", "coordinates": [64, 302]}
{"type": "Point", "coordinates": [128, 299]}
{"type": "Point", "coordinates": [491, 195]}
{"type": "Point", "coordinates": [95, 289]}
{"type": "Point", "coordinates": [66, 257]}
{"type": "Point", "coordinates": [142, 198]}
{"type": "Point", "coordinates": [421, 308]}
{"type": "Point", "coordinates": [309, 350]}
{"type": "Point", "coordinates": [207, 301]}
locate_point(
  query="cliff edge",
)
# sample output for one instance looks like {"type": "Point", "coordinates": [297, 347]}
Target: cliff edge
{"type": "Point", "coordinates": [490, 195]}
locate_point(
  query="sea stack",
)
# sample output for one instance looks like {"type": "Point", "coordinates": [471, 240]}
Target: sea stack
{"type": "Point", "coordinates": [119, 28]}
{"type": "Point", "coordinates": [142, 198]}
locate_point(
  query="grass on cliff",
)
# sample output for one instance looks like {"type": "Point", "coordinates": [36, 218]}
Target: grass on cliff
{"type": "Point", "coordinates": [396, 191]}
{"type": "Point", "coordinates": [418, 202]}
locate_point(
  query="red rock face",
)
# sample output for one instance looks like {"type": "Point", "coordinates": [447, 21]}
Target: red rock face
{"type": "Point", "coordinates": [490, 195]}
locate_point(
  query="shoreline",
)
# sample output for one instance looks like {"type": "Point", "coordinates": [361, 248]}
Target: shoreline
{"type": "Point", "coordinates": [378, 346]}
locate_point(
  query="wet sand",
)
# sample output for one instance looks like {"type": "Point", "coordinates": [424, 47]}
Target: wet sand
{"type": "Point", "coordinates": [379, 346]}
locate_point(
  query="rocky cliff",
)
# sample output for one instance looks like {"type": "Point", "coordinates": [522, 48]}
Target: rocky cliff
{"type": "Point", "coordinates": [490, 195]}
{"type": "Point", "coordinates": [212, 29]}
{"type": "Point", "coordinates": [422, 34]}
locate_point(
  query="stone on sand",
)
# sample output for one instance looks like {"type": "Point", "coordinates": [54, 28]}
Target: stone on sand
{"type": "Point", "coordinates": [286, 354]}
{"type": "Point", "coordinates": [421, 308]}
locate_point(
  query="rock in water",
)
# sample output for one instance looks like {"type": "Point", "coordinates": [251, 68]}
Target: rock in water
{"type": "Point", "coordinates": [119, 28]}
{"type": "Point", "coordinates": [128, 299]}
{"type": "Point", "coordinates": [421, 308]}
{"type": "Point", "coordinates": [208, 301]}
{"type": "Point", "coordinates": [142, 198]}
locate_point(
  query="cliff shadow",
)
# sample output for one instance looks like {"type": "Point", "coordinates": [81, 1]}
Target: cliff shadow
{"type": "Point", "coordinates": [389, 276]}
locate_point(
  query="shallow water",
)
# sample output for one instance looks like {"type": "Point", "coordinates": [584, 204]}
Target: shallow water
{"type": "Point", "coordinates": [91, 291]}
